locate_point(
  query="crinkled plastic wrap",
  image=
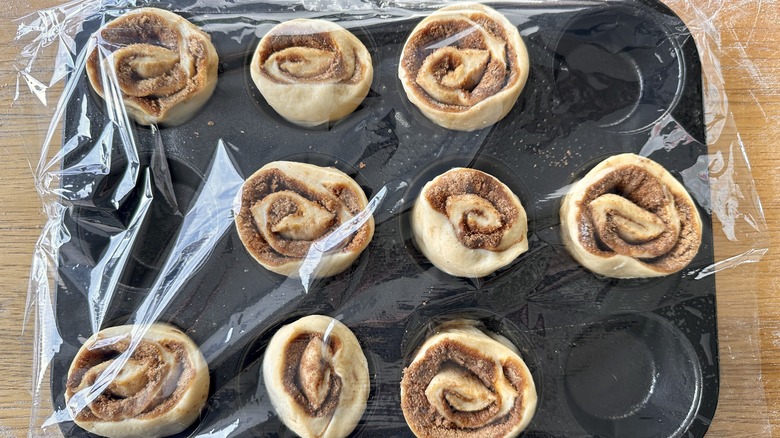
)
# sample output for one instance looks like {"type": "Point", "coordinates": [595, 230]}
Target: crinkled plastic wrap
{"type": "Point", "coordinates": [143, 211]}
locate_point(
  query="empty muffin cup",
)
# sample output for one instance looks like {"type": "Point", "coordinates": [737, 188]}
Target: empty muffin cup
{"type": "Point", "coordinates": [617, 68]}
{"type": "Point", "coordinates": [632, 375]}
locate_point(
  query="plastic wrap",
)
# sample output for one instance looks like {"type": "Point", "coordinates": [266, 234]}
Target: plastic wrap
{"type": "Point", "coordinates": [141, 218]}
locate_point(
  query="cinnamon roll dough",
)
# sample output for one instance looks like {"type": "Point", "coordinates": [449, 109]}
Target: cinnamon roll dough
{"type": "Point", "coordinates": [317, 377]}
{"type": "Point", "coordinates": [468, 223]}
{"type": "Point", "coordinates": [159, 390]}
{"type": "Point", "coordinates": [629, 217]}
{"type": "Point", "coordinates": [312, 71]}
{"type": "Point", "coordinates": [467, 382]}
{"type": "Point", "coordinates": [288, 212]}
{"type": "Point", "coordinates": [164, 66]}
{"type": "Point", "coordinates": [464, 66]}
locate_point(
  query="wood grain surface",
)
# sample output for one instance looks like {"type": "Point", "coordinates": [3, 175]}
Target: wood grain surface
{"type": "Point", "coordinates": [748, 51]}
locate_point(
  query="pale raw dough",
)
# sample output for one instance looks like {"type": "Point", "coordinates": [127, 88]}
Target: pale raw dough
{"type": "Point", "coordinates": [321, 76]}
{"type": "Point", "coordinates": [148, 398]}
{"type": "Point", "coordinates": [435, 230]}
{"type": "Point", "coordinates": [457, 359]}
{"type": "Point", "coordinates": [164, 79]}
{"type": "Point", "coordinates": [629, 217]}
{"type": "Point", "coordinates": [486, 68]}
{"type": "Point", "coordinates": [281, 237]}
{"type": "Point", "coordinates": [321, 392]}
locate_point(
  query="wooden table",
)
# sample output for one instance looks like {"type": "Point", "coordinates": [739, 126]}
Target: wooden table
{"type": "Point", "coordinates": [749, 317]}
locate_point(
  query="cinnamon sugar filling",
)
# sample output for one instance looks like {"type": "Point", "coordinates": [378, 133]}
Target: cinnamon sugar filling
{"type": "Point", "coordinates": [498, 74]}
{"type": "Point", "coordinates": [281, 250]}
{"type": "Point", "coordinates": [670, 250]}
{"type": "Point", "coordinates": [422, 415]}
{"type": "Point", "coordinates": [157, 388]}
{"type": "Point", "coordinates": [471, 182]}
{"type": "Point", "coordinates": [298, 373]}
{"type": "Point", "coordinates": [144, 41]}
{"type": "Point", "coordinates": [291, 46]}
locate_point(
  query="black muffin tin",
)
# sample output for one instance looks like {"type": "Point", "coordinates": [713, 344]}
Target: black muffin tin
{"type": "Point", "coordinates": [629, 358]}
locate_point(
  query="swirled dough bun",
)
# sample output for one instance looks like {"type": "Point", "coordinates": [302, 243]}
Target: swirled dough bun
{"type": "Point", "coordinates": [317, 377]}
{"type": "Point", "coordinates": [464, 66]}
{"type": "Point", "coordinates": [164, 67]}
{"type": "Point", "coordinates": [468, 223]}
{"type": "Point", "coordinates": [286, 208]}
{"type": "Point", "coordinates": [629, 217]}
{"type": "Point", "coordinates": [312, 71]}
{"type": "Point", "coordinates": [467, 382]}
{"type": "Point", "coordinates": [159, 389]}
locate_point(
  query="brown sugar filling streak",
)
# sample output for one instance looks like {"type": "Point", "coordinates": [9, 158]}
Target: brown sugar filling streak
{"type": "Point", "coordinates": [467, 182]}
{"type": "Point", "coordinates": [494, 76]}
{"type": "Point", "coordinates": [292, 49]}
{"type": "Point", "coordinates": [148, 58]}
{"type": "Point", "coordinates": [676, 245]}
{"type": "Point", "coordinates": [305, 377]}
{"type": "Point", "coordinates": [280, 250]}
{"type": "Point", "coordinates": [447, 355]}
{"type": "Point", "coordinates": [153, 387]}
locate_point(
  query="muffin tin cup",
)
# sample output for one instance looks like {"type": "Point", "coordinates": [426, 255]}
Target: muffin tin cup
{"type": "Point", "coordinates": [632, 374]}
{"type": "Point", "coordinates": [567, 322]}
{"type": "Point", "coordinates": [619, 71]}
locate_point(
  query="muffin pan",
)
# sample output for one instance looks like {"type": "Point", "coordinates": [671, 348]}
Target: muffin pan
{"type": "Point", "coordinates": [622, 358]}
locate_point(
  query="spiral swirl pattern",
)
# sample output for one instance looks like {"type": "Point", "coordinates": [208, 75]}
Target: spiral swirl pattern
{"type": "Point", "coordinates": [158, 391]}
{"type": "Point", "coordinates": [628, 217]}
{"type": "Point", "coordinates": [286, 207]}
{"type": "Point", "coordinates": [464, 66]}
{"type": "Point", "coordinates": [317, 377]}
{"type": "Point", "coordinates": [464, 382]}
{"type": "Point", "coordinates": [312, 71]}
{"type": "Point", "coordinates": [468, 223]}
{"type": "Point", "coordinates": [165, 67]}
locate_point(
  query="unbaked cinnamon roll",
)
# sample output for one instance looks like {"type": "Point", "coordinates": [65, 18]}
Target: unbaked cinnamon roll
{"type": "Point", "coordinates": [317, 377]}
{"type": "Point", "coordinates": [629, 217]}
{"type": "Point", "coordinates": [468, 223]}
{"type": "Point", "coordinates": [464, 66]}
{"type": "Point", "coordinates": [312, 71]}
{"type": "Point", "coordinates": [467, 382]}
{"type": "Point", "coordinates": [164, 66]}
{"type": "Point", "coordinates": [286, 208]}
{"type": "Point", "coordinates": [159, 388]}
